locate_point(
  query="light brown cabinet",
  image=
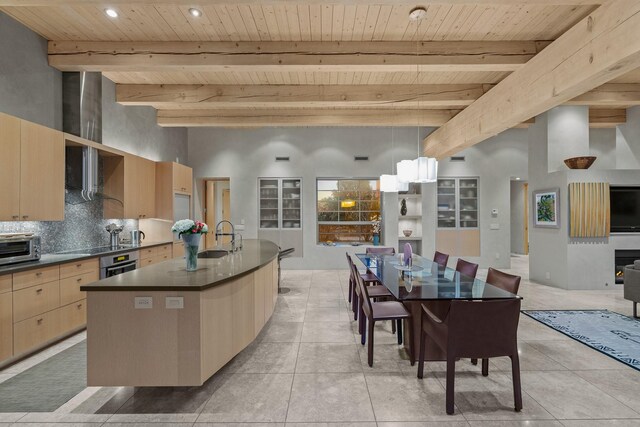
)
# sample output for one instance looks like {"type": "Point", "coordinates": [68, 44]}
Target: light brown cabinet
{"type": "Point", "coordinates": [9, 168]}
{"type": "Point", "coordinates": [70, 286]}
{"type": "Point", "coordinates": [35, 300]}
{"type": "Point", "coordinates": [182, 178]}
{"type": "Point", "coordinates": [31, 171]}
{"type": "Point", "coordinates": [174, 184]}
{"type": "Point", "coordinates": [26, 279]}
{"type": "Point", "coordinates": [6, 321]}
{"type": "Point", "coordinates": [139, 187]}
{"type": "Point", "coordinates": [73, 316]}
{"type": "Point", "coordinates": [33, 332]}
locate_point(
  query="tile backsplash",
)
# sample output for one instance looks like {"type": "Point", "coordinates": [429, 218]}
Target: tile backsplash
{"type": "Point", "coordinates": [83, 227]}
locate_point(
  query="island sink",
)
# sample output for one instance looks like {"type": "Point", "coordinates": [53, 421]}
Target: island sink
{"type": "Point", "coordinates": [216, 253]}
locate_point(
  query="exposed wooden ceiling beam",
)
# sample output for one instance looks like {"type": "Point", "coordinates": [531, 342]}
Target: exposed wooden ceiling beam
{"type": "Point", "coordinates": [601, 47]}
{"type": "Point", "coordinates": [302, 117]}
{"type": "Point", "coordinates": [610, 94]}
{"type": "Point", "coordinates": [288, 2]}
{"type": "Point", "coordinates": [290, 96]}
{"type": "Point", "coordinates": [292, 56]}
{"type": "Point", "coordinates": [607, 117]}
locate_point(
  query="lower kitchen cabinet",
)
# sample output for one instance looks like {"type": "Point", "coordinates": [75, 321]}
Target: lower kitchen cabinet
{"type": "Point", "coordinates": [35, 300]}
{"type": "Point", "coordinates": [6, 325]}
{"type": "Point", "coordinates": [156, 254]}
{"type": "Point", "coordinates": [31, 333]}
{"type": "Point", "coordinates": [73, 316]}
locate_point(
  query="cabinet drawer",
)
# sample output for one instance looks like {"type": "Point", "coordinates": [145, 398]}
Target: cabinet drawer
{"type": "Point", "coordinates": [147, 253]}
{"type": "Point", "coordinates": [164, 250]}
{"type": "Point", "coordinates": [5, 283]}
{"type": "Point", "coordinates": [73, 316]}
{"type": "Point", "coordinates": [35, 300]}
{"type": "Point", "coordinates": [147, 261]}
{"type": "Point", "coordinates": [29, 278]}
{"type": "Point", "coordinates": [6, 326]}
{"type": "Point", "coordinates": [70, 287]}
{"type": "Point", "coordinates": [161, 257]}
{"type": "Point", "coordinates": [178, 250]}
{"type": "Point", "coordinates": [31, 333]}
{"type": "Point", "coordinates": [80, 267]}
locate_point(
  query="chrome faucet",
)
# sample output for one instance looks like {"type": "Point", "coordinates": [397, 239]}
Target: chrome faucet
{"type": "Point", "coordinates": [219, 233]}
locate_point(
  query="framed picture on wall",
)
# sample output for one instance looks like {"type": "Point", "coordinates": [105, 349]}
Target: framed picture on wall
{"type": "Point", "coordinates": [546, 208]}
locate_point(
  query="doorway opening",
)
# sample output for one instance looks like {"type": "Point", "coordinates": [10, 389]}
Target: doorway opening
{"type": "Point", "coordinates": [216, 208]}
{"type": "Point", "coordinates": [519, 216]}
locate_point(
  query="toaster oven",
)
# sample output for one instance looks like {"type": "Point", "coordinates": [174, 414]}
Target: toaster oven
{"type": "Point", "coordinates": [20, 248]}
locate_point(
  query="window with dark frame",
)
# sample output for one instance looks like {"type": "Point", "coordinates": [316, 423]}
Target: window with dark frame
{"type": "Point", "coordinates": [347, 209]}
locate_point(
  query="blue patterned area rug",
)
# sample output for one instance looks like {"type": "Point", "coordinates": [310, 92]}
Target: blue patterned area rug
{"type": "Point", "coordinates": [610, 333]}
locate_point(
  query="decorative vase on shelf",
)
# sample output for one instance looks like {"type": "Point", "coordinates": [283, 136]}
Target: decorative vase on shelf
{"type": "Point", "coordinates": [403, 207]}
{"type": "Point", "coordinates": [191, 246]}
{"type": "Point", "coordinates": [190, 231]}
{"type": "Point", "coordinates": [376, 239]}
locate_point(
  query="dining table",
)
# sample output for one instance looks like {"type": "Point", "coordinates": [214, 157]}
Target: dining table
{"type": "Point", "coordinates": [426, 282]}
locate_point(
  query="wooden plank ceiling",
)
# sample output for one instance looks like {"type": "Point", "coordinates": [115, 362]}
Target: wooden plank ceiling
{"type": "Point", "coordinates": [302, 62]}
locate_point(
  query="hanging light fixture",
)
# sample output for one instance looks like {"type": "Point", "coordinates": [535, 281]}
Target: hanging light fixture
{"type": "Point", "coordinates": [422, 169]}
{"type": "Point", "coordinates": [391, 183]}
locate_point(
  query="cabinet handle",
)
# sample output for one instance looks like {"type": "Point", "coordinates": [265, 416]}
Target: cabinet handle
{"type": "Point", "coordinates": [79, 305]}
{"type": "Point", "coordinates": [39, 273]}
{"type": "Point", "coordinates": [38, 291]}
{"type": "Point", "coordinates": [15, 216]}
{"type": "Point", "coordinates": [25, 216]}
{"type": "Point", "coordinates": [79, 280]}
{"type": "Point", "coordinates": [78, 265]}
{"type": "Point", "coordinates": [40, 321]}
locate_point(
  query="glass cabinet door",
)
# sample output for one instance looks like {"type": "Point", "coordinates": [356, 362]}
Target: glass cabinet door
{"type": "Point", "coordinates": [269, 206]}
{"type": "Point", "coordinates": [291, 208]}
{"type": "Point", "coordinates": [468, 217]}
{"type": "Point", "coordinates": [447, 203]}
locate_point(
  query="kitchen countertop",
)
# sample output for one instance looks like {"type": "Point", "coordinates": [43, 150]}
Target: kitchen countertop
{"type": "Point", "coordinates": [47, 260]}
{"type": "Point", "coordinates": [172, 276]}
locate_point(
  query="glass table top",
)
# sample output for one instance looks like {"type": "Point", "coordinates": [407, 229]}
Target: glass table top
{"type": "Point", "coordinates": [426, 280]}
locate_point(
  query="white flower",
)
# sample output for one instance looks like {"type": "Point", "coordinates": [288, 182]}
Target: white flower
{"type": "Point", "coordinates": [183, 225]}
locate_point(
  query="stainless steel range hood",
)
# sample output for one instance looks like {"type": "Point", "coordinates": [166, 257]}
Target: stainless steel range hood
{"type": "Point", "coordinates": [82, 116]}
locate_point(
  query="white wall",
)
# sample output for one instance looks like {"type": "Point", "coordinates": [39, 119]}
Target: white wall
{"type": "Point", "coordinates": [244, 155]}
{"type": "Point", "coordinates": [495, 161]}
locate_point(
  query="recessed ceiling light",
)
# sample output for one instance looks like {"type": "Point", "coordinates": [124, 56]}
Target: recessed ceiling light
{"type": "Point", "coordinates": [417, 13]}
{"type": "Point", "coordinates": [111, 13]}
{"type": "Point", "coordinates": [196, 13]}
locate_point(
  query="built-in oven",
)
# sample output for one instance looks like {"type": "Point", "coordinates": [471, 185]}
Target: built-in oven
{"type": "Point", "coordinates": [19, 248]}
{"type": "Point", "coordinates": [113, 265]}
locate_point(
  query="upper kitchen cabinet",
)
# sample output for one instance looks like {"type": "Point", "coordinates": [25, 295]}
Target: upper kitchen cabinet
{"type": "Point", "coordinates": [31, 171]}
{"type": "Point", "coordinates": [9, 168]}
{"type": "Point", "coordinates": [182, 178]}
{"type": "Point", "coordinates": [174, 185]}
{"type": "Point", "coordinates": [130, 186]}
{"type": "Point", "coordinates": [140, 187]}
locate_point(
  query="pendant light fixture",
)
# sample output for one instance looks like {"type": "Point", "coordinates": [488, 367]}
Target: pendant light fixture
{"type": "Point", "coordinates": [390, 183]}
{"type": "Point", "coordinates": [422, 169]}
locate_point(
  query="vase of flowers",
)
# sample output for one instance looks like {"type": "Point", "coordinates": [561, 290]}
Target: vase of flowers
{"type": "Point", "coordinates": [190, 231]}
{"type": "Point", "coordinates": [375, 226]}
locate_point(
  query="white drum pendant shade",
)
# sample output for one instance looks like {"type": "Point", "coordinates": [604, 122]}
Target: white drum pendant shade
{"type": "Point", "coordinates": [390, 184]}
{"type": "Point", "coordinates": [407, 171]}
{"type": "Point", "coordinates": [427, 169]}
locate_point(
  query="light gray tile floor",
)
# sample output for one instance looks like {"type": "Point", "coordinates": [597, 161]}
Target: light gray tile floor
{"type": "Point", "coordinates": [307, 368]}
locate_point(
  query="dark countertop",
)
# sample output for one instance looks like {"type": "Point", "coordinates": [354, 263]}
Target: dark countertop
{"type": "Point", "coordinates": [48, 260]}
{"type": "Point", "coordinates": [172, 276]}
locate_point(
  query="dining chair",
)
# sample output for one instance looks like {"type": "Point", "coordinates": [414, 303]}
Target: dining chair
{"type": "Point", "coordinates": [441, 259]}
{"type": "Point", "coordinates": [380, 250]}
{"type": "Point", "coordinates": [378, 311]}
{"type": "Point", "coordinates": [375, 291]}
{"type": "Point", "coordinates": [480, 329]}
{"type": "Point", "coordinates": [506, 282]}
{"type": "Point", "coordinates": [467, 268]}
{"type": "Point", "coordinates": [369, 279]}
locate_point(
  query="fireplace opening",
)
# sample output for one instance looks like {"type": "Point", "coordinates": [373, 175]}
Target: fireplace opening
{"type": "Point", "coordinates": [623, 258]}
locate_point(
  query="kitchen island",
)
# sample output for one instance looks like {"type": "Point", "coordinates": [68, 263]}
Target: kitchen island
{"type": "Point", "coordinates": [164, 326]}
